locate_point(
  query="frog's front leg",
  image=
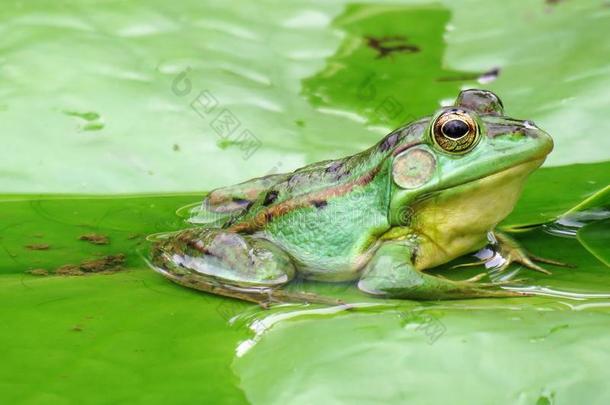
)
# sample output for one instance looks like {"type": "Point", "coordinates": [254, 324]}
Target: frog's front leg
{"type": "Point", "coordinates": [512, 252]}
{"type": "Point", "coordinates": [229, 264]}
{"type": "Point", "coordinates": [392, 274]}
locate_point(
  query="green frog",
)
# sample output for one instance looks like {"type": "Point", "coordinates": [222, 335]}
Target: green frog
{"type": "Point", "coordinates": [425, 194]}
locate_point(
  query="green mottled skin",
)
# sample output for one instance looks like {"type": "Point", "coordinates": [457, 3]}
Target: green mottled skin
{"type": "Point", "coordinates": [349, 219]}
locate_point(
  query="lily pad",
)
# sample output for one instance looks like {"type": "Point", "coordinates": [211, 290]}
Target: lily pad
{"type": "Point", "coordinates": [367, 74]}
{"type": "Point", "coordinates": [596, 238]}
{"type": "Point", "coordinates": [116, 97]}
{"type": "Point", "coordinates": [553, 192]}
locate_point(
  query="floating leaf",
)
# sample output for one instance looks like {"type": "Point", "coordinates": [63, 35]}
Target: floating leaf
{"type": "Point", "coordinates": [550, 193]}
{"type": "Point", "coordinates": [596, 238]}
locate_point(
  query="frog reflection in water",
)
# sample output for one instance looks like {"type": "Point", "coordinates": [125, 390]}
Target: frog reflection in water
{"type": "Point", "coordinates": [427, 193]}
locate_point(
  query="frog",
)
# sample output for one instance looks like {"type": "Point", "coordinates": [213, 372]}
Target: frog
{"type": "Point", "coordinates": [429, 192]}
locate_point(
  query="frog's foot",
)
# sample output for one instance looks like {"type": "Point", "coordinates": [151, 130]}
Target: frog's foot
{"type": "Point", "coordinates": [265, 297]}
{"type": "Point", "coordinates": [283, 296]}
{"type": "Point", "coordinates": [390, 274]}
{"type": "Point", "coordinates": [231, 265]}
{"type": "Point", "coordinates": [512, 252]}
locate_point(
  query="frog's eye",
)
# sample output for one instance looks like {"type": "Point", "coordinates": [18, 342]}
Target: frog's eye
{"type": "Point", "coordinates": [455, 131]}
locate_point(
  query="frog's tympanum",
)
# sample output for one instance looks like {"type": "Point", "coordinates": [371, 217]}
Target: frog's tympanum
{"type": "Point", "coordinates": [425, 194]}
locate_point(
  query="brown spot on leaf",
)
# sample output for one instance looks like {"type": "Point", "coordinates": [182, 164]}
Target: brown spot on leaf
{"type": "Point", "coordinates": [38, 246]}
{"type": "Point", "coordinates": [38, 272]}
{"type": "Point", "coordinates": [388, 45]}
{"type": "Point", "coordinates": [95, 239]}
{"type": "Point", "coordinates": [68, 270]}
{"type": "Point", "coordinates": [107, 264]}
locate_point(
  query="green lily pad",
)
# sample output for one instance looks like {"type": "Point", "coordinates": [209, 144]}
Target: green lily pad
{"type": "Point", "coordinates": [596, 238]}
{"type": "Point", "coordinates": [113, 338]}
{"type": "Point", "coordinates": [553, 192]}
{"type": "Point", "coordinates": [144, 73]}
{"type": "Point", "coordinates": [62, 223]}
{"type": "Point", "coordinates": [597, 200]}
{"type": "Point", "coordinates": [76, 337]}
{"type": "Point", "coordinates": [367, 74]}
{"type": "Point", "coordinates": [111, 97]}
{"type": "Point", "coordinates": [495, 356]}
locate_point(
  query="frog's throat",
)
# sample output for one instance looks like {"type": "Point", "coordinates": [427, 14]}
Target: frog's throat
{"type": "Point", "coordinates": [455, 221]}
{"type": "Point", "coordinates": [264, 216]}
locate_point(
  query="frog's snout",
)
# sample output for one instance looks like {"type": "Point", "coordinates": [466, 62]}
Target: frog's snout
{"type": "Point", "coordinates": [525, 135]}
{"type": "Point", "coordinates": [542, 138]}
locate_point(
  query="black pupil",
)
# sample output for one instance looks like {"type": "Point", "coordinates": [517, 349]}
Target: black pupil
{"type": "Point", "coordinates": [455, 129]}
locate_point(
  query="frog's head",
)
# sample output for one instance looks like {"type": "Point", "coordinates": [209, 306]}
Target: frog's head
{"type": "Point", "coordinates": [470, 150]}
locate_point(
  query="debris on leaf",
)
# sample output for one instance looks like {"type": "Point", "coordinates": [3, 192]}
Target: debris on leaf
{"type": "Point", "coordinates": [68, 270]}
{"type": "Point", "coordinates": [110, 263]}
{"type": "Point", "coordinates": [106, 265]}
{"type": "Point", "coordinates": [38, 272]}
{"type": "Point", "coordinates": [38, 246]}
{"type": "Point", "coordinates": [94, 238]}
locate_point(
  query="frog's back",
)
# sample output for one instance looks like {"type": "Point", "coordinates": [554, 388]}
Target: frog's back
{"type": "Point", "coordinates": [327, 215]}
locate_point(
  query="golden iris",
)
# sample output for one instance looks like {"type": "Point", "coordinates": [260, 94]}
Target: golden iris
{"type": "Point", "coordinates": [455, 131]}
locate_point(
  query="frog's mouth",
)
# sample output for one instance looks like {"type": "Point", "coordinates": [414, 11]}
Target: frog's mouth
{"type": "Point", "coordinates": [521, 169]}
{"type": "Point", "coordinates": [507, 180]}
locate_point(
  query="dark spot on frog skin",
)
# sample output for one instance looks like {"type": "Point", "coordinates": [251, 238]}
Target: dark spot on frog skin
{"type": "Point", "coordinates": [390, 44]}
{"type": "Point", "coordinates": [389, 142]}
{"type": "Point", "coordinates": [334, 167]}
{"type": "Point", "coordinates": [413, 255]}
{"type": "Point", "coordinates": [241, 201]}
{"type": "Point", "coordinates": [230, 222]}
{"type": "Point", "coordinates": [319, 204]}
{"type": "Point", "coordinates": [270, 197]}
{"type": "Point", "coordinates": [518, 127]}
{"type": "Point", "coordinates": [294, 181]}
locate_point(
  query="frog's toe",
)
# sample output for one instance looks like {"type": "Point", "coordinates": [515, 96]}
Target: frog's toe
{"type": "Point", "coordinates": [521, 258]}
{"type": "Point", "coordinates": [474, 288]}
{"type": "Point", "coordinates": [551, 261]}
{"type": "Point", "coordinates": [512, 252]}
